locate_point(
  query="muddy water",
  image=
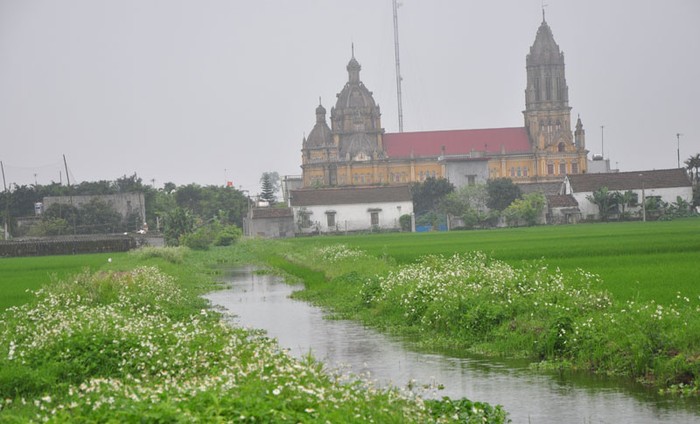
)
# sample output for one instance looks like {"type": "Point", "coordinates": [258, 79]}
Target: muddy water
{"type": "Point", "coordinates": [262, 301]}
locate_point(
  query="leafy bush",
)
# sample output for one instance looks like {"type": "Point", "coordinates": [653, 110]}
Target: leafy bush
{"type": "Point", "coordinates": [405, 222]}
{"type": "Point", "coordinates": [50, 227]}
{"type": "Point", "coordinates": [201, 239]}
{"type": "Point", "coordinates": [227, 235]}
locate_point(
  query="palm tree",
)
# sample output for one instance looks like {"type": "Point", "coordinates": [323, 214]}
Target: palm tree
{"type": "Point", "coordinates": [693, 165]}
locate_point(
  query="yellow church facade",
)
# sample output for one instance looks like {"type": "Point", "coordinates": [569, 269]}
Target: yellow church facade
{"type": "Point", "coordinates": [355, 149]}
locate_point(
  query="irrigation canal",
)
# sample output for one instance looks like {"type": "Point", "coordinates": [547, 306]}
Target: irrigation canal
{"type": "Point", "coordinates": [262, 301]}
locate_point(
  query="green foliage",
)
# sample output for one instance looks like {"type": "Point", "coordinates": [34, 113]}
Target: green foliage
{"type": "Point", "coordinates": [428, 195]}
{"type": "Point", "coordinates": [501, 193]}
{"type": "Point", "coordinates": [98, 217]}
{"type": "Point", "coordinates": [405, 222]}
{"type": "Point", "coordinates": [693, 166]}
{"type": "Point", "coordinates": [227, 235]}
{"type": "Point", "coordinates": [528, 209]}
{"type": "Point", "coordinates": [606, 201]}
{"type": "Point", "coordinates": [466, 198]}
{"type": "Point", "coordinates": [176, 223]}
{"type": "Point", "coordinates": [269, 182]}
{"type": "Point", "coordinates": [175, 255]}
{"type": "Point", "coordinates": [201, 239]}
{"type": "Point", "coordinates": [51, 227]}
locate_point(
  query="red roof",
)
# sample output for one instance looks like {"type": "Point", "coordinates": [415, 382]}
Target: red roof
{"type": "Point", "coordinates": [456, 142]}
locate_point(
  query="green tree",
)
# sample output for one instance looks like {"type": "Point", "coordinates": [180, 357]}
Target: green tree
{"type": "Point", "coordinates": [428, 195]}
{"type": "Point", "coordinates": [528, 209]}
{"type": "Point", "coordinates": [693, 166]}
{"type": "Point", "coordinates": [624, 200]}
{"type": "Point", "coordinates": [606, 202]}
{"type": "Point", "coordinates": [98, 217]}
{"type": "Point", "coordinates": [502, 192]}
{"type": "Point", "coordinates": [177, 222]}
{"type": "Point", "coordinates": [268, 187]}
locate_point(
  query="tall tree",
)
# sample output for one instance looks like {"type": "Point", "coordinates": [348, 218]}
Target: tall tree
{"type": "Point", "coordinates": [428, 195]}
{"type": "Point", "coordinates": [268, 187]}
{"type": "Point", "coordinates": [502, 192]}
{"type": "Point", "coordinates": [693, 166]}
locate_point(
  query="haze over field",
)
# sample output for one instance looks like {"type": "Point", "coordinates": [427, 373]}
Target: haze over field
{"type": "Point", "coordinates": [210, 91]}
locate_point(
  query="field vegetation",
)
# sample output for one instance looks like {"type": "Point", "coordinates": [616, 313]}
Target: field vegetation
{"type": "Point", "coordinates": [619, 299]}
{"type": "Point", "coordinates": [130, 340]}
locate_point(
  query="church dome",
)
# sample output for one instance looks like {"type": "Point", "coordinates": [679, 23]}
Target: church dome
{"type": "Point", "coordinates": [354, 94]}
{"type": "Point", "coordinates": [358, 146]}
{"type": "Point", "coordinates": [320, 135]}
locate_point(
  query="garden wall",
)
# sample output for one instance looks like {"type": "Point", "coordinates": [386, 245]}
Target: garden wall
{"type": "Point", "coordinates": [68, 245]}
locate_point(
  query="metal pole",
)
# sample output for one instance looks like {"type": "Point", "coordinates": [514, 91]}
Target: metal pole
{"type": "Point", "coordinates": [678, 147]}
{"type": "Point", "coordinates": [398, 63]}
{"type": "Point", "coordinates": [644, 200]}
{"type": "Point", "coordinates": [7, 202]}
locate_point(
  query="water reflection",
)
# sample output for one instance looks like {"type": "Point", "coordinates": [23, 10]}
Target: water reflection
{"type": "Point", "coordinates": [262, 301]}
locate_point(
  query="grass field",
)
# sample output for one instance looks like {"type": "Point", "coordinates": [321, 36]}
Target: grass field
{"type": "Point", "coordinates": [17, 275]}
{"type": "Point", "coordinates": [645, 261]}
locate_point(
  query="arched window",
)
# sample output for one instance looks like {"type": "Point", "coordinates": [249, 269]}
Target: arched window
{"type": "Point", "coordinates": [561, 147]}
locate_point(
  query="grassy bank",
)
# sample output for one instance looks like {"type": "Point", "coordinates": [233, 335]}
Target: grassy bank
{"type": "Point", "coordinates": [506, 302]}
{"type": "Point", "coordinates": [130, 340]}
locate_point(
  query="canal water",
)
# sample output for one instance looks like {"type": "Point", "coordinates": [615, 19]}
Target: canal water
{"type": "Point", "coordinates": [262, 302]}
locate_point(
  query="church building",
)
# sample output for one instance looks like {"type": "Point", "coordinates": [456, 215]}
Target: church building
{"type": "Point", "coordinates": [355, 149]}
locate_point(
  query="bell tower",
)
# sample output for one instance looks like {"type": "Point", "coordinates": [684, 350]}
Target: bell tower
{"type": "Point", "coordinates": [547, 112]}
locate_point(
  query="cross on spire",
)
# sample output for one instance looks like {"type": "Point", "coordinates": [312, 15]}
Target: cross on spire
{"type": "Point", "coordinates": [543, 6]}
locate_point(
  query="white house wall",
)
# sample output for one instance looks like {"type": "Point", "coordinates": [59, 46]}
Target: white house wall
{"type": "Point", "coordinates": [356, 217]}
{"type": "Point", "coordinates": [668, 195]}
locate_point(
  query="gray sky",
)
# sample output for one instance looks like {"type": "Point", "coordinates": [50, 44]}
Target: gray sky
{"type": "Point", "coordinates": [208, 90]}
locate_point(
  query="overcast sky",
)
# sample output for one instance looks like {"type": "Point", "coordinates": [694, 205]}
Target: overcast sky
{"type": "Point", "coordinates": [212, 90]}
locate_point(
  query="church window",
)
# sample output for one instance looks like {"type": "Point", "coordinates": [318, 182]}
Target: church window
{"type": "Point", "coordinates": [537, 89]}
{"type": "Point", "coordinates": [560, 89]}
{"type": "Point", "coordinates": [520, 172]}
{"type": "Point", "coordinates": [548, 87]}
{"type": "Point", "coordinates": [562, 168]}
{"type": "Point", "coordinates": [512, 171]}
{"type": "Point", "coordinates": [574, 168]}
{"type": "Point", "coordinates": [560, 147]}
{"type": "Point", "coordinates": [525, 171]}
{"type": "Point", "coordinates": [550, 169]}
{"type": "Point", "coordinates": [420, 176]}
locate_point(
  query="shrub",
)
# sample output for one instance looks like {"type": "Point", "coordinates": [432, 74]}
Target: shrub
{"type": "Point", "coordinates": [227, 235]}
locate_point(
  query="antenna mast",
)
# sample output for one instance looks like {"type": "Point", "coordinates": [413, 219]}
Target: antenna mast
{"type": "Point", "coordinates": [398, 63]}
{"type": "Point", "coordinates": [7, 202]}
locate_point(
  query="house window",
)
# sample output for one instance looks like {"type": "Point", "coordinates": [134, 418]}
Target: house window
{"type": "Point", "coordinates": [374, 218]}
{"type": "Point", "coordinates": [562, 168]}
{"type": "Point", "coordinates": [471, 180]}
{"type": "Point", "coordinates": [574, 168]}
{"type": "Point", "coordinates": [550, 169]}
{"type": "Point", "coordinates": [330, 218]}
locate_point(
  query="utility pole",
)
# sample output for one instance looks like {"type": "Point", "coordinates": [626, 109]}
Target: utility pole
{"type": "Point", "coordinates": [602, 142]}
{"type": "Point", "coordinates": [7, 202]}
{"type": "Point", "coordinates": [398, 63]}
{"type": "Point", "coordinates": [678, 147]}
